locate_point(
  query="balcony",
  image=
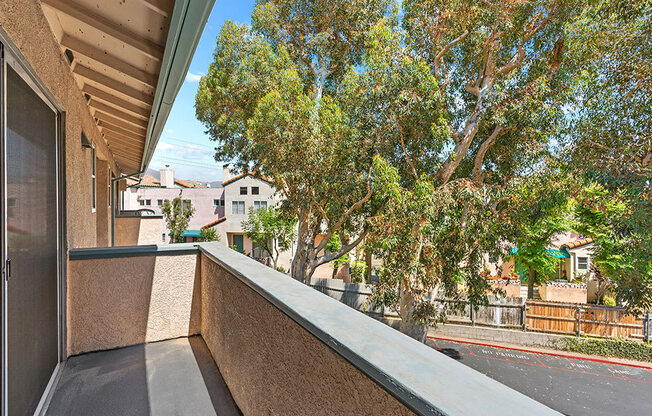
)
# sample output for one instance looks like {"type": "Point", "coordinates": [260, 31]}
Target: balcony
{"type": "Point", "coordinates": [202, 329]}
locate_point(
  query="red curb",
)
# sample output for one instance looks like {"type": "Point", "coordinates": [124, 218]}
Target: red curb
{"type": "Point", "coordinates": [575, 357]}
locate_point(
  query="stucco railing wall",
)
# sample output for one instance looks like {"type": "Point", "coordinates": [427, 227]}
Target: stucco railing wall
{"type": "Point", "coordinates": [125, 296]}
{"type": "Point", "coordinates": [138, 230]}
{"type": "Point", "coordinates": [284, 348]}
{"type": "Point", "coordinates": [281, 346]}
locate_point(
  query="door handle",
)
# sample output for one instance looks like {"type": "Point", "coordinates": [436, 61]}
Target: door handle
{"type": "Point", "coordinates": [7, 269]}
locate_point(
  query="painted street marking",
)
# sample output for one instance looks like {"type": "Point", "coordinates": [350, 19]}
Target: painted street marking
{"type": "Point", "coordinates": [589, 368]}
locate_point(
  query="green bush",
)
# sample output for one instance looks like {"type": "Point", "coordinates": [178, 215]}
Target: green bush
{"type": "Point", "coordinates": [358, 269]}
{"type": "Point", "coordinates": [608, 301]}
{"type": "Point", "coordinates": [616, 347]}
{"type": "Point", "coordinates": [281, 269]}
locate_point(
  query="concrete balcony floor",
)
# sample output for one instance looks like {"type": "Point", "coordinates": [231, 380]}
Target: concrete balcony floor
{"type": "Point", "coordinates": [173, 377]}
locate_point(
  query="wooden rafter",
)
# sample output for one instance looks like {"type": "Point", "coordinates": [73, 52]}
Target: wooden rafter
{"type": "Point", "coordinates": [112, 84]}
{"type": "Point", "coordinates": [92, 52]}
{"type": "Point", "coordinates": [108, 27]}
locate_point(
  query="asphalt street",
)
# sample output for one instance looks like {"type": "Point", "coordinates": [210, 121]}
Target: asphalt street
{"type": "Point", "coordinates": [571, 386]}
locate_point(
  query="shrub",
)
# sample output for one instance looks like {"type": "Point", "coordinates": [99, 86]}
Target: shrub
{"type": "Point", "coordinates": [616, 347]}
{"type": "Point", "coordinates": [608, 301]}
{"type": "Point", "coordinates": [281, 269]}
{"type": "Point", "coordinates": [358, 269]}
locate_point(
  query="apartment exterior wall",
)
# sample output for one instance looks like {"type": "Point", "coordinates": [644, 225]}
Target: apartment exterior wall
{"type": "Point", "coordinates": [201, 199]}
{"type": "Point", "coordinates": [28, 29]}
{"type": "Point", "coordinates": [232, 225]}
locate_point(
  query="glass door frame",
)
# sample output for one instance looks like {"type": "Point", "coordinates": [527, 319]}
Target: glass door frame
{"type": "Point", "coordinates": [10, 55]}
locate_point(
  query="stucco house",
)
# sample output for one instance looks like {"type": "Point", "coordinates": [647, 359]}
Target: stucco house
{"type": "Point", "coordinates": [242, 193]}
{"type": "Point", "coordinates": [577, 265]}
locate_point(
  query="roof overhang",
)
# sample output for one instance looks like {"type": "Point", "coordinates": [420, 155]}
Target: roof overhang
{"type": "Point", "coordinates": [130, 60]}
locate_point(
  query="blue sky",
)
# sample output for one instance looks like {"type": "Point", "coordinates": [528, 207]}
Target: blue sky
{"type": "Point", "coordinates": [183, 144]}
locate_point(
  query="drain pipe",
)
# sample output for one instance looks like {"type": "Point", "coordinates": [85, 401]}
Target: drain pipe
{"type": "Point", "coordinates": [114, 201]}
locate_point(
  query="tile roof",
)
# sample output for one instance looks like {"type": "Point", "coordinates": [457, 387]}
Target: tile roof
{"type": "Point", "coordinates": [217, 221]}
{"type": "Point", "coordinates": [188, 184]}
{"type": "Point", "coordinates": [578, 243]}
{"type": "Point", "coordinates": [242, 175]}
{"type": "Point", "coordinates": [149, 181]}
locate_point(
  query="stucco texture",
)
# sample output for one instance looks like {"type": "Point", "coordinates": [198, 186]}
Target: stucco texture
{"type": "Point", "coordinates": [563, 294]}
{"type": "Point", "coordinates": [28, 29]}
{"type": "Point", "coordinates": [272, 365]}
{"type": "Point", "coordinates": [118, 302]}
{"type": "Point", "coordinates": [138, 231]}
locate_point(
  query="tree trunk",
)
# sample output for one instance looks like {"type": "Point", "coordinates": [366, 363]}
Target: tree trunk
{"type": "Point", "coordinates": [530, 282]}
{"type": "Point", "coordinates": [367, 271]}
{"type": "Point", "coordinates": [406, 307]}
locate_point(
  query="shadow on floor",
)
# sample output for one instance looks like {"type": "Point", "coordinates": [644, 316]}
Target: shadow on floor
{"type": "Point", "coordinates": [173, 377]}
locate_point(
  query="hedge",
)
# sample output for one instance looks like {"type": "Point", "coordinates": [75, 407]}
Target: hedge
{"type": "Point", "coordinates": [620, 348]}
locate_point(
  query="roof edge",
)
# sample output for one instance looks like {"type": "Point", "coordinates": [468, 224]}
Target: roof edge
{"type": "Point", "coordinates": [186, 27]}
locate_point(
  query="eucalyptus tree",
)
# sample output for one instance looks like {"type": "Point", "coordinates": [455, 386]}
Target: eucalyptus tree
{"type": "Point", "coordinates": [484, 97]}
{"type": "Point", "coordinates": [269, 100]}
{"type": "Point", "coordinates": [611, 147]}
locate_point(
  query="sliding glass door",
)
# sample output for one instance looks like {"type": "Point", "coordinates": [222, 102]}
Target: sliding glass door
{"type": "Point", "coordinates": [30, 239]}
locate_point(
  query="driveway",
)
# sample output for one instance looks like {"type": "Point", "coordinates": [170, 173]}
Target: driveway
{"type": "Point", "coordinates": [568, 385]}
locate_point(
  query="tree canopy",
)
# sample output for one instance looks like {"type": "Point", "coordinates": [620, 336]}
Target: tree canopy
{"type": "Point", "coordinates": [269, 100]}
{"type": "Point", "coordinates": [435, 129]}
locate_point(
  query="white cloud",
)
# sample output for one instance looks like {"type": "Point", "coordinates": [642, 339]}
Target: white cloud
{"type": "Point", "coordinates": [190, 77]}
{"type": "Point", "coordinates": [169, 131]}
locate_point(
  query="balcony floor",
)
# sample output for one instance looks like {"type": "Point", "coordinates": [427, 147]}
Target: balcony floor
{"type": "Point", "coordinates": [174, 377]}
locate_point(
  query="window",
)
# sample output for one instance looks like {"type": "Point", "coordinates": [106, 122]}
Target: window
{"type": "Point", "coordinates": [218, 202]}
{"type": "Point", "coordinates": [148, 202]}
{"type": "Point", "coordinates": [93, 181]}
{"type": "Point", "coordinates": [237, 207]}
{"type": "Point", "coordinates": [163, 237]}
{"type": "Point", "coordinates": [141, 202]}
{"type": "Point", "coordinates": [582, 263]}
{"type": "Point", "coordinates": [255, 190]}
{"type": "Point", "coordinates": [187, 204]}
{"type": "Point", "coordinates": [260, 204]}
{"type": "Point", "coordinates": [243, 190]}
{"type": "Point", "coordinates": [159, 202]}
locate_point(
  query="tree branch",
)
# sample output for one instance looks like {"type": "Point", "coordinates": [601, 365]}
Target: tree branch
{"type": "Point", "coordinates": [482, 151]}
{"type": "Point", "coordinates": [345, 249]}
{"type": "Point", "coordinates": [441, 54]}
{"type": "Point", "coordinates": [348, 212]}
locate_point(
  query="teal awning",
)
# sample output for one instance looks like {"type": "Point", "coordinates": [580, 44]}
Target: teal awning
{"type": "Point", "coordinates": [190, 233]}
{"type": "Point", "coordinates": [554, 252]}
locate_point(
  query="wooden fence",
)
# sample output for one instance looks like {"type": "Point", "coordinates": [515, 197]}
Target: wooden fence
{"type": "Point", "coordinates": [513, 313]}
{"type": "Point", "coordinates": [573, 319]}
{"type": "Point", "coordinates": [553, 317]}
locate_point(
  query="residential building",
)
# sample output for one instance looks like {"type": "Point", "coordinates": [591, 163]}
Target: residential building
{"type": "Point", "coordinates": [577, 266]}
{"type": "Point", "coordinates": [149, 193]}
{"type": "Point", "coordinates": [85, 89]}
{"type": "Point", "coordinates": [241, 194]}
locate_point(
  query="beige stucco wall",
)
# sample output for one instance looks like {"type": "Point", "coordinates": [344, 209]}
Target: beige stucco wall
{"type": "Point", "coordinates": [274, 366]}
{"type": "Point", "coordinates": [28, 29]}
{"type": "Point", "coordinates": [125, 301]}
{"type": "Point", "coordinates": [138, 231]}
{"type": "Point", "coordinates": [103, 214]}
{"type": "Point", "coordinates": [512, 290]}
{"type": "Point", "coordinates": [563, 294]}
